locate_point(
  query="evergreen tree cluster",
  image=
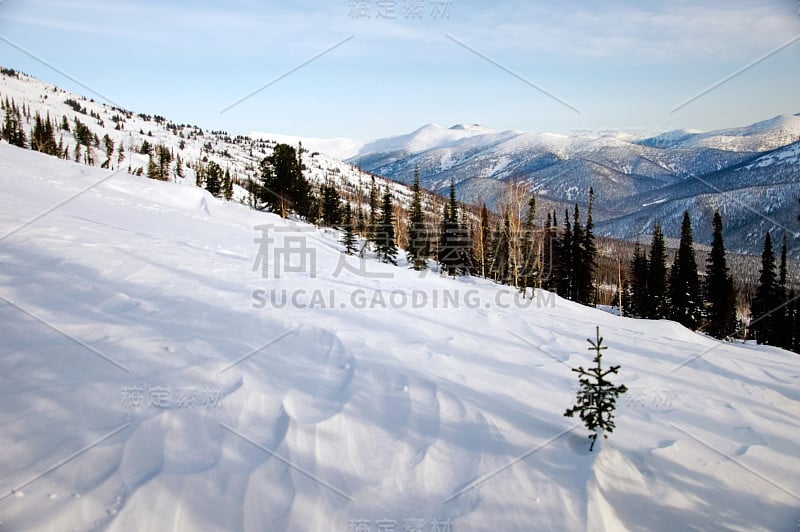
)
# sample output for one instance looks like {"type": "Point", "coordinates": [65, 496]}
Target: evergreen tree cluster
{"type": "Point", "coordinates": [283, 187]}
{"type": "Point", "coordinates": [12, 131]}
{"type": "Point", "coordinates": [774, 310]}
{"type": "Point", "coordinates": [43, 137]}
{"type": "Point", "coordinates": [419, 243]}
{"type": "Point", "coordinates": [571, 255]}
{"type": "Point", "coordinates": [677, 293]}
{"type": "Point", "coordinates": [453, 252]}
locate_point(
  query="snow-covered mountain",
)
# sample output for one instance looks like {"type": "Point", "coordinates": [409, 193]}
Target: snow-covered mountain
{"type": "Point", "coordinates": [636, 180]}
{"type": "Point", "coordinates": [193, 145]}
{"type": "Point", "coordinates": [156, 374]}
{"type": "Point", "coordinates": [751, 173]}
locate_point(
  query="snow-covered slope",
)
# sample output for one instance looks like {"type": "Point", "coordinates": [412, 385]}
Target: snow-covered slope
{"type": "Point", "coordinates": [240, 154]}
{"type": "Point", "coordinates": [427, 137]}
{"type": "Point", "coordinates": [149, 381]}
{"type": "Point", "coordinates": [761, 136]}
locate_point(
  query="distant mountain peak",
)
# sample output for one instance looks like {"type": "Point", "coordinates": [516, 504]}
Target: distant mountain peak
{"type": "Point", "coordinates": [473, 128]}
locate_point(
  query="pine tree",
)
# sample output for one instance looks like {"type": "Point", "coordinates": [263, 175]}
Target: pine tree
{"type": "Point", "coordinates": [108, 145]}
{"type": "Point", "coordinates": [719, 291]}
{"type": "Point", "coordinates": [331, 205]}
{"type": "Point", "coordinates": [565, 262]}
{"type": "Point", "coordinates": [164, 159]}
{"type": "Point", "coordinates": [418, 242]}
{"type": "Point", "coordinates": [597, 397]}
{"type": "Point", "coordinates": [43, 135]}
{"type": "Point", "coordinates": [374, 215]}
{"type": "Point", "coordinates": [585, 281]}
{"type": "Point", "coordinates": [657, 307]}
{"type": "Point", "coordinates": [386, 246]}
{"type": "Point", "coordinates": [348, 237]}
{"type": "Point", "coordinates": [453, 252]}
{"type": "Point", "coordinates": [152, 168]}
{"type": "Point", "coordinates": [765, 300]}
{"type": "Point", "coordinates": [227, 185]}
{"type": "Point", "coordinates": [213, 178]}
{"type": "Point", "coordinates": [284, 187]}
{"type": "Point", "coordinates": [179, 166]}
{"type": "Point", "coordinates": [554, 247]}
{"type": "Point", "coordinates": [12, 131]}
{"type": "Point", "coordinates": [547, 253]}
{"type": "Point", "coordinates": [684, 285]}
{"type": "Point", "coordinates": [639, 300]}
{"type": "Point", "coordinates": [577, 266]}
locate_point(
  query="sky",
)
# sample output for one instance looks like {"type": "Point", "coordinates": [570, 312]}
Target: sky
{"type": "Point", "coordinates": [375, 68]}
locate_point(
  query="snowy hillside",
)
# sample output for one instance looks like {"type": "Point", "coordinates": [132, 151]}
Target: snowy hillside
{"type": "Point", "coordinates": [240, 154]}
{"type": "Point", "coordinates": [153, 380]}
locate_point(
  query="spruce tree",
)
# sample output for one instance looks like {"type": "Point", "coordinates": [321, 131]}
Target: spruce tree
{"type": "Point", "coordinates": [588, 260]}
{"type": "Point", "coordinates": [577, 267]}
{"type": "Point", "coordinates": [597, 397]}
{"type": "Point", "coordinates": [348, 237]}
{"type": "Point", "coordinates": [565, 262]}
{"type": "Point", "coordinates": [43, 135]}
{"type": "Point", "coordinates": [418, 242]}
{"type": "Point", "coordinates": [213, 175]}
{"type": "Point", "coordinates": [547, 253]}
{"type": "Point", "coordinates": [227, 185]}
{"type": "Point", "coordinates": [331, 205]}
{"type": "Point", "coordinates": [453, 252]}
{"type": "Point", "coordinates": [639, 300]}
{"type": "Point", "coordinates": [657, 308]}
{"type": "Point", "coordinates": [719, 292]}
{"type": "Point", "coordinates": [765, 300]}
{"type": "Point", "coordinates": [178, 165]}
{"type": "Point", "coordinates": [385, 243]}
{"type": "Point", "coordinates": [684, 285]}
{"type": "Point", "coordinates": [152, 168]}
{"type": "Point", "coordinates": [284, 188]}
{"type": "Point", "coordinates": [12, 131]}
{"type": "Point", "coordinates": [374, 215]}
{"type": "Point", "coordinates": [553, 243]}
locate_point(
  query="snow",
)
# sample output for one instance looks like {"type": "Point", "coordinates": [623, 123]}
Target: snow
{"type": "Point", "coordinates": [317, 416]}
{"type": "Point", "coordinates": [339, 147]}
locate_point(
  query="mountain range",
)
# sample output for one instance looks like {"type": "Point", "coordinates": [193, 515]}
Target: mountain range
{"type": "Point", "coordinates": [750, 173]}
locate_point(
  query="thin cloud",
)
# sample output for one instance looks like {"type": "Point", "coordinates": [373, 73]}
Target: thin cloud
{"type": "Point", "coordinates": [666, 32]}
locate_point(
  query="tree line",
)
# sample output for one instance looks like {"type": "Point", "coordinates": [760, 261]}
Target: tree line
{"type": "Point", "coordinates": [508, 247]}
{"type": "Point", "coordinates": [512, 248]}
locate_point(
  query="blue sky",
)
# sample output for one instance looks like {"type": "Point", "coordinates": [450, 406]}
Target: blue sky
{"type": "Point", "coordinates": [623, 65]}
